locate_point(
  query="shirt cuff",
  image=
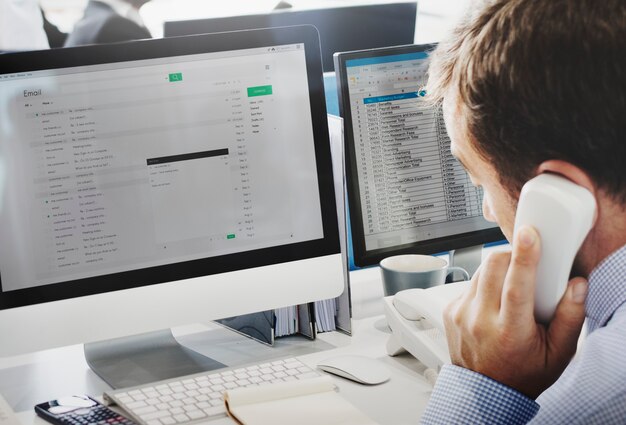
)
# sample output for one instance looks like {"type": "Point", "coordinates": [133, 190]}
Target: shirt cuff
{"type": "Point", "coordinates": [463, 396]}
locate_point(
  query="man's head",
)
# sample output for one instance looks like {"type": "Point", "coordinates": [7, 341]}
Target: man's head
{"type": "Point", "coordinates": [534, 85]}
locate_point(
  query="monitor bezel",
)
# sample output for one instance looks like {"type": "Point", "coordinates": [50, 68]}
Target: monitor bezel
{"type": "Point", "coordinates": [363, 257]}
{"type": "Point", "coordinates": [176, 47]}
{"type": "Point", "coordinates": [399, 11]}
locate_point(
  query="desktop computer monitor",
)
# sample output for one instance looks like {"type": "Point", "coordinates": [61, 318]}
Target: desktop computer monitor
{"type": "Point", "coordinates": [341, 28]}
{"type": "Point", "coordinates": [406, 192]}
{"type": "Point", "coordinates": [157, 183]}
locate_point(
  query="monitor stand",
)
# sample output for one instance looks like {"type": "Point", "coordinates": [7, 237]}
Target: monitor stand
{"type": "Point", "coordinates": [140, 359]}
{"type": "Point", "coordinates": [467, 258]}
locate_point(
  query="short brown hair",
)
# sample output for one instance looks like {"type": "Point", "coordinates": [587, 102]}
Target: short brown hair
{"type": "Point", "coordinates": [539, 80]}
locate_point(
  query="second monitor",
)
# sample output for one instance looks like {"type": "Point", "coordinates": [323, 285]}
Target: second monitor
{"type": "Point", "coordinates": [406, 192]}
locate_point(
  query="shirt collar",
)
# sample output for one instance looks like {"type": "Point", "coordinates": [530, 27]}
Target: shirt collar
{"type": "Point", "coordinates": [607, 289]}
{"type": "Point", "coordinates": [124, 9]}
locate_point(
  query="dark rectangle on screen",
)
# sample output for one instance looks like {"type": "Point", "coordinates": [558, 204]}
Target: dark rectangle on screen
{"type": "Point", "coordinates": [187, 156]}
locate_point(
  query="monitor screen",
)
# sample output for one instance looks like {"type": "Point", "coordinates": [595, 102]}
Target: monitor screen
{"type": "Point", "coordinates": [407, 193]}
{"type": "Point", "coordinates": [165, 160]}
{"type": "Point", "coordinates": [341, 28]}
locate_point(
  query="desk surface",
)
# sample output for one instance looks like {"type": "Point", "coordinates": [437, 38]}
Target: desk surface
{"type": "Point", "coordinates": [37, 377]}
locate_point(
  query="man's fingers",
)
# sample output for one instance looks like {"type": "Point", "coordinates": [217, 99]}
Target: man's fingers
{"type": "Point", "coordinates": [518, 294]}
{"type": "Point", "coordinates": [489, 286]}
{"type": "Point", "coordinates": [568, 318]}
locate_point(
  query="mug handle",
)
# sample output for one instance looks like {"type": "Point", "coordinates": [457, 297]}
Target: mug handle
{"type": "Point", "coordinates": [451, 270]}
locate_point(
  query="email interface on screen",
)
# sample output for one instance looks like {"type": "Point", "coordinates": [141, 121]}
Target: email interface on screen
{"type": "Point", "coordinates": [116, 167]}
{"type": "Point", "coordinates": [411, 188]}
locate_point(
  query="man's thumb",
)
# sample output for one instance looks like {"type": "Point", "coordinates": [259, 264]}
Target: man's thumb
{"type": "Point", "coordinates": [568, 319]}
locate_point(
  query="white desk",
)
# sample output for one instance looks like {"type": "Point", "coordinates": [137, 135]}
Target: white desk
{"type": "Point", "coordinates": [34, 378]}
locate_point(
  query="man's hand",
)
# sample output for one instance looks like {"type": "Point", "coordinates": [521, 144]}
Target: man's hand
{"type": "Point", "coordinates": [491, 329]}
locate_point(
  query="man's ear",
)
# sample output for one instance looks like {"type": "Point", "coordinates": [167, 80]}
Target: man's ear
{"type": "Point", "coordinates": [570, 172]}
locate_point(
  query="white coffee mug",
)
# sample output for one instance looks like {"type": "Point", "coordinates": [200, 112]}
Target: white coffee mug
{"type": "Point", "coordinates": [408, 271]}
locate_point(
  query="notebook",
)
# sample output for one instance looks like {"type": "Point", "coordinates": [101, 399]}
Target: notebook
{"type": "Point", "coordinates": [312, 401]}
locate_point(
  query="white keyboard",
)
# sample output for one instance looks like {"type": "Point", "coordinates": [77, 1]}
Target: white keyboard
{"type": "Point", "coordinates": [7, 416]}
{"type": "Point", "coordinates": [199, 397]}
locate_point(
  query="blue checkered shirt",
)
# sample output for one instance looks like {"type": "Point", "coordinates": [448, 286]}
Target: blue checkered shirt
{"type": "Point", "coordinates": [591, 390]}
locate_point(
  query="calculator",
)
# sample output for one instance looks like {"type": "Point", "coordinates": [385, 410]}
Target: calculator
{"type": "Point", "coordinates": [79, 410]}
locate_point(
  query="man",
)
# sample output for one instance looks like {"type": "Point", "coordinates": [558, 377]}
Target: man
{"type": "Point", "coordinates": [109, 21]}
{"type": "Point", "coordinates": [530, 87]}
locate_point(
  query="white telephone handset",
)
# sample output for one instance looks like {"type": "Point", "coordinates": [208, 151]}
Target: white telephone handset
{"type": "Point", "coordinates": [563, 214]}
{"type": "Point", "coordinates": [561, 211]}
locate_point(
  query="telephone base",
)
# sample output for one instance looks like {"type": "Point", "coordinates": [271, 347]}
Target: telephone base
{"type": "Point", "coordinates": [425, 342]}
{"type": "Point", "coordinates": [424, 338]}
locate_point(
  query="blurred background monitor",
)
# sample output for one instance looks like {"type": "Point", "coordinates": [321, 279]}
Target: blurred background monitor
{"type": "Point", "coordinates": [341, 28]}
{"type": "Point", "coordinates": [406, 192]}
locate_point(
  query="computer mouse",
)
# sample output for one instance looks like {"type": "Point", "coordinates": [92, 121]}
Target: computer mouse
{"type": "Point", "coordinates": [361, 369]}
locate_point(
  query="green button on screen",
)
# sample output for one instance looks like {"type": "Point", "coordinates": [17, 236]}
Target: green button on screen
{"type": "Point", "coordinates": [176, 76]}
{"type": "Point", "coordinates": [231, 236]}
{"type": "Point", "coordinates": [259, 91]}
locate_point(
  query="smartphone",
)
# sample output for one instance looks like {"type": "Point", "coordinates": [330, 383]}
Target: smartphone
{"type": "Point", "coordinates": [79, 410]}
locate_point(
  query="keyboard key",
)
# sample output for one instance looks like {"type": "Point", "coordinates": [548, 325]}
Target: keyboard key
{"type": "Point", "coordinates": [125, 399]}
{"type": "Point", "coordinates": [136, 405]}
{"type": "Point", "coordinates": [154, 415]}
{"type": "Point", "coordinates": [196, 414]}
{"type": "Point", "coordinates": [143, 410]}
{"type": "Point", "coordinates": [215, 410]}
{"type": "Point", "coordinates": [181, 418]}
